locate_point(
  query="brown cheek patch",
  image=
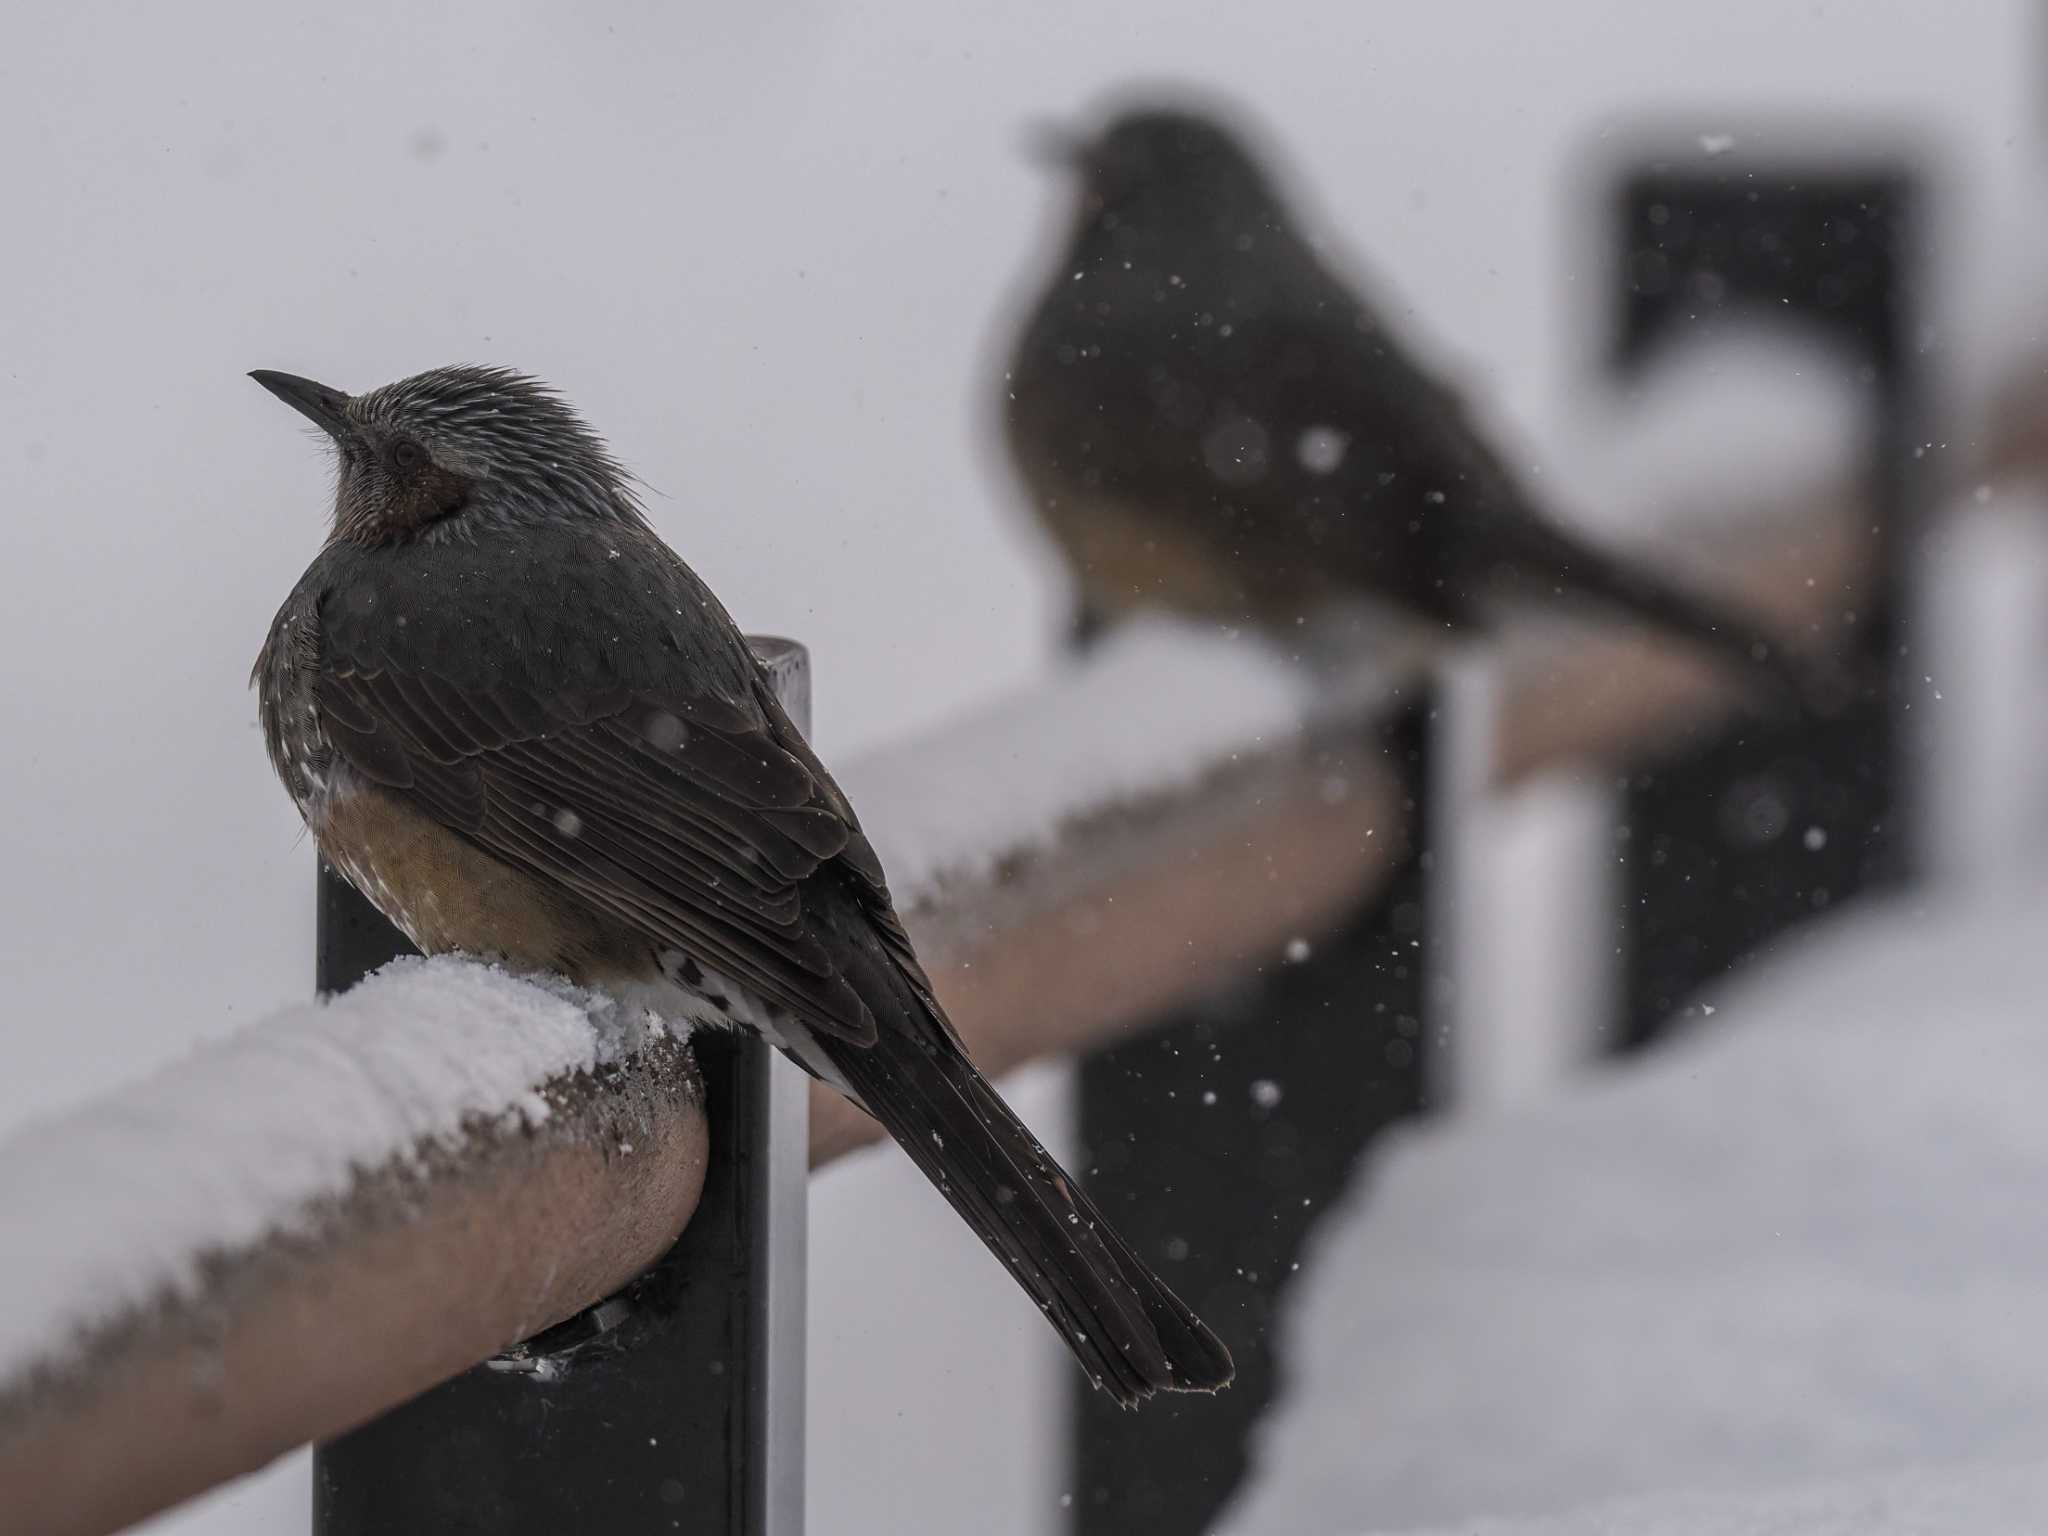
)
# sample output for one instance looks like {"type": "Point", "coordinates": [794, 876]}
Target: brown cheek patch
{"type": "Point", "coordinates": [439, 492]}
{"type": "Point", "coordinates": [431, 494]}
{"type": "Point", "coordinates": [428, 496]}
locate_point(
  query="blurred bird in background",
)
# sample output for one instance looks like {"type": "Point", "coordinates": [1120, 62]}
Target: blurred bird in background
{"type": "Point", "coordinates": [524, 729]}
{"type": "Point", "coordinates": [1210, 421]}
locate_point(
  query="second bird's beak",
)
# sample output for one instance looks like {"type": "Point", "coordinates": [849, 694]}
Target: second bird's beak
{"type": "Point", "coordinates": [324, 407]}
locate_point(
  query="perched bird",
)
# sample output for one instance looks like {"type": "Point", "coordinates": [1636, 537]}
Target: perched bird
{"type": "Point", "coordinates": [524, 729]}
{"type": "Point", "coordinates": [1208, 419]}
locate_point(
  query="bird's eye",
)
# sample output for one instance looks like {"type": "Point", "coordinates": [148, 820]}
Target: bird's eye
{"type": "Point", "coordinates": [407, 455]}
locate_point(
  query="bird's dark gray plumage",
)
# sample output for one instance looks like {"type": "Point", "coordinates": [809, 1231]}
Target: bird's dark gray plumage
{"type": "Point", "coordinates": [517, 722]}
{"type": "Point", "coordinates": [1208, 419]}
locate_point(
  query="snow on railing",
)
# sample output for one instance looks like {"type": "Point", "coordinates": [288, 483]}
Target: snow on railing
{"type": "Point", "coordinates": [317, 1216]}
{"type": "Point", "coordinates": [1144, 825]}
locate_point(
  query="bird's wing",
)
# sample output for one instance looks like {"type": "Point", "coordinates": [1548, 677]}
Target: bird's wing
{"type": "Point", "coordinates": [1302, 438]}
{"type": "Point", "coordinates": [696, 815]}
{"type": "Point", "coordinates": [1478, 529]}
{"type": "Point", "coordinates": [1401, 419]}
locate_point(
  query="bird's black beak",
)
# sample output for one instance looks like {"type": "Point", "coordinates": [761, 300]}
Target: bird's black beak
{"type": "Point", "coordinates": [324, 407]}
{"type": "Point", "coordinates": [1055, 146]}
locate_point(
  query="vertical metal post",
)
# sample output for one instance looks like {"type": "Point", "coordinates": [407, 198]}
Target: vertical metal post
{"type": "Point", "coordinates": [1215, 1143]}
{"type": "Point", "coordinates": [1771, 825]}
{"type": "Point", "coordinates": [676, 1406]}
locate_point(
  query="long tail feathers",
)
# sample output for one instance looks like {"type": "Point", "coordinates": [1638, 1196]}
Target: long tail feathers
{"type": "Point", "coordinates": [1131, 1334]}
{"type": "Point", "coordinates": [1747, 644]}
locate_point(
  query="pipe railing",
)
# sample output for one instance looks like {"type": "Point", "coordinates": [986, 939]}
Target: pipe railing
{"type": "Point", "coordinates": [201, 1278]}
{"type": "Point", "coordinates": [1164, 878]}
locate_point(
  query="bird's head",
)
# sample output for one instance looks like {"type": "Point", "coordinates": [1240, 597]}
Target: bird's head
{"type": "Point", "coordinates": [453, 447]}
{"type": "Point", "coordinates": [1172, 174]}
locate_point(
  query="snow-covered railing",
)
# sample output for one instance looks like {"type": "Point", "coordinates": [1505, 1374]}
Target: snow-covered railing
{"type": "Point", "coordinates": [1151, 821]}
{"type": "Point", "coordinates": [1180, 807]}
{"type": "Point", "coordinates": [317, 1217]}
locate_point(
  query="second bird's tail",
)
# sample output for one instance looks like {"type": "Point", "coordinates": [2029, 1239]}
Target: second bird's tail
{"type": "Point", "coordinates": [1749, 646]}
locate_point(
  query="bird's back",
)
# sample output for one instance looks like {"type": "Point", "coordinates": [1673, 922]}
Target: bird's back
{"type": "Point", "coordinates": [1245, 414]}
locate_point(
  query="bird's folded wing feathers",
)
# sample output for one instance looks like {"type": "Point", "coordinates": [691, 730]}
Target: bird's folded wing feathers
{"type": "Point", "coordinates": [702, 820]}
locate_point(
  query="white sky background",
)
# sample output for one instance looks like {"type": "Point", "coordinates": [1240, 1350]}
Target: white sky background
{"type": "Point", "coordinates": [767, 250]}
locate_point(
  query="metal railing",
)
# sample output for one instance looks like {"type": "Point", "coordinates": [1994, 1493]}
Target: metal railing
{"type": "Point", "coordinates": [1123, 908]}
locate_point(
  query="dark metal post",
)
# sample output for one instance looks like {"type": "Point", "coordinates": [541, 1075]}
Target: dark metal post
{"type": "Point", "coordinates": [1214, 1144]}
{"type": "Point", "coordinates": [1771, 825]}
{"type": "Point", "coordinates": [677, 1406]}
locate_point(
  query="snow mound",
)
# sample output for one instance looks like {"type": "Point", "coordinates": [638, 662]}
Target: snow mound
{"type": "Point", "coordinates": [1977, 1500]}
{"type": "Point", "coordinates": [1749, 417]}
{"type": "Point", "coordinates": [1803, 1243]}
